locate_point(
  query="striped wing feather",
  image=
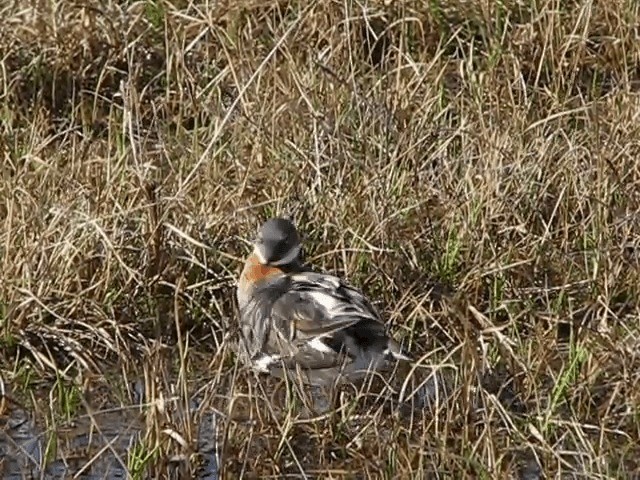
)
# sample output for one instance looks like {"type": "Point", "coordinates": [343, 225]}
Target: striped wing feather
{"type": "Point", "coordinates": [314, 321]}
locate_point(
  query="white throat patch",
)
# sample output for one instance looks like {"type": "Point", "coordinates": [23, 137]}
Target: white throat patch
{"type": "Point", "coordinates": [287, 259]}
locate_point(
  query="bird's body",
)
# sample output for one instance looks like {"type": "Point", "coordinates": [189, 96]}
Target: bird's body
{"type": "Point", "coordinates": [296, 319]}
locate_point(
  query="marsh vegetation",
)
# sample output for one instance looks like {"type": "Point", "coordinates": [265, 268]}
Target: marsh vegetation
{"type": "Point", "coordinates": [473, 166]}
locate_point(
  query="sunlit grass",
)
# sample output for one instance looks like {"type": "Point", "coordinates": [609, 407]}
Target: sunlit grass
{"type": "Point", "coordinates": [471, 165]}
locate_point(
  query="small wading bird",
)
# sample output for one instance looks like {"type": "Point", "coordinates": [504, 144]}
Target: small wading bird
{"type": "Point", "coordinates": [310, 323]}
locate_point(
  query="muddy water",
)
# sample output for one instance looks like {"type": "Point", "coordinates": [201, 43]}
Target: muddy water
{"type": "Point", "coordinates": [98, 446]}
{"type": "Point", "coordinates": [77, 449]}
{"type": "Point", "coordinates": [93, 447]}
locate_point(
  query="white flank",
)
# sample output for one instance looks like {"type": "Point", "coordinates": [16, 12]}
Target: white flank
{"type": "Point", "coordinates": [396, 355]}
{"type": "Point", "coordinates": [262, 364]}
{"type": "Point", "coordinates": [318, 344]}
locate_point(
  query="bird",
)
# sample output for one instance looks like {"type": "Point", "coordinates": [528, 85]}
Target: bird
{"type": "Point", "coordinates": [296, 320]}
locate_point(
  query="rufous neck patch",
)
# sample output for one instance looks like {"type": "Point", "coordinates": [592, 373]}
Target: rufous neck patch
{"type": "Point", "coordinates": [257, 272]}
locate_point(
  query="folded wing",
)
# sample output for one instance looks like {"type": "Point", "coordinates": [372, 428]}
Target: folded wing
{"type": "Point", "coordinates": [314, 321]}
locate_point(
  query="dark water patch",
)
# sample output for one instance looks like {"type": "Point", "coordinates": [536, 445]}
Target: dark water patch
{"type": "Point", "coordinates": [91, 446]}
{"type": "Point", "coordinates": [207, 446]}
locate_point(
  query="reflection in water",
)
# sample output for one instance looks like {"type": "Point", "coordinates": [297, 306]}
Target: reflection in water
{"type": "Point", "coordinates": [87, 448]}
{"type": "Point", "coordinates": [207, 447]}
{"type": "Point", "coordinates": [83, 448]}
{"type": "Point", "coordinates": [20, 448]}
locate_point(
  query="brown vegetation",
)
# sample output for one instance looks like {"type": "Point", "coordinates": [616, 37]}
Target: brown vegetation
{"type": "Point", "coordinates": [472, 165]}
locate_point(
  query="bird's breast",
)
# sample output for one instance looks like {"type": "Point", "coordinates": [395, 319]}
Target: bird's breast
{"type": "Point", "coordinates": [253, 274]}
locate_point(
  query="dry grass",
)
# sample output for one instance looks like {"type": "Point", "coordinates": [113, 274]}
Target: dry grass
{"type": "Point", "coordinates": [472, 165]}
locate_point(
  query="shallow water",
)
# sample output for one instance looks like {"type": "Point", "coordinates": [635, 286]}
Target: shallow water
{"type": "Point", "coordinates": [93, 447]}
{"type": "Point", "coordinates": [98, 446]}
